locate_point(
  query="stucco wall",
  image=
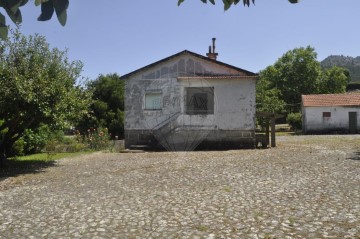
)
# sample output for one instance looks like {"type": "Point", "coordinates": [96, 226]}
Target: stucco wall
{"type": "Point", "coordinates": [313, 120]}
{"type": "Point", "coordinates": [234, 104]}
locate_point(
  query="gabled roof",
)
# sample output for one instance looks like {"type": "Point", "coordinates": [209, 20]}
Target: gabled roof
{"type": "Point", "coordinates": [350, 99]}
{"type": "Point", "coordinates": [248, 73]}
{"type": "Point", "coordinates": [238, 77]}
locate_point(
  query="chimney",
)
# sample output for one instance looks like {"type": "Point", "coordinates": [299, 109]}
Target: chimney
{"type": "Point", "coordinates": [212, 55]}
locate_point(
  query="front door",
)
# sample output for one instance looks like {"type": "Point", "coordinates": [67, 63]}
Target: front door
{"type": "Point", "coordinates": [352, 122]}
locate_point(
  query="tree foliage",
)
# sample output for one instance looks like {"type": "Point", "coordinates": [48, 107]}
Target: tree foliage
{"type": "Point", "coordinates": [48, 7]}
{"type": "Point", "coordinates": [296, 73]}
{"type": "Point", "coordinates": [334, 80]}
{"type": "Point", "coordinates": [268, 98]}
{"type": "Point", "coordinates": [107, 108]}
{"type": "Point", "coordinates": [38, 86]}
{"type": "Point", "coordinates": [229, 3]}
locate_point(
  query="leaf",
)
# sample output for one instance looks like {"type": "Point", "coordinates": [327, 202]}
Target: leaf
{"type": "Point", "coordinates": [294, 1]}
{"type": "Point", "coordinates": [180, 1]}
{"type": "Point", "coordinates": [38, 2]}
{"type": "Point", "coordinates": [15, 17]}
{"type": "Point", "coordinates": [212, 1]}
{"type": "Point", "coordinates": [3, 27]}
{"type": "Point", "coordinates": [227, 4]}
{"type": "Point", "coordinates": [23, 2]}
{"type": "Point", "coordinates": [47, 10]}
{"type": "Point", "coordinates": [61, 7]}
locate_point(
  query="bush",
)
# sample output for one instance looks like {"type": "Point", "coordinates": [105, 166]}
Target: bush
{"type": "Point", "coordinates": [35, 140]}
{"type": "Point", "coordinates": [295, 121]}
{"type": "Point", "coordinates": [17, 148]}
{"type": "Point", "coordinates": [95, 139]}
{"type": "Point", "coordinates": [64, 144]}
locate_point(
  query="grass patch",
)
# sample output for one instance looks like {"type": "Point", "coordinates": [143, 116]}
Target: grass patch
{"type": "Point", "coordinates": [227, 189]}
{"type": "Point", "coordinates": [44, 157]}
{"type": "Point", "coordinates": [289, 133]}
{"type": "Point", "coordinates": [201, 228]}
{"type": "Point", "coordinates": [33, 163]}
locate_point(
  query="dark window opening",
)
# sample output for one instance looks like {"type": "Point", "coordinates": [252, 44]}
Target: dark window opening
{"type": "Point", "coordinates": [199, 100]}
{"type": "Point", "coordinates": [326, 114]}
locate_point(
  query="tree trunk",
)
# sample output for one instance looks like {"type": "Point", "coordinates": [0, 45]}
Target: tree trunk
{"type": "Point", "coordinates": [2, 154]}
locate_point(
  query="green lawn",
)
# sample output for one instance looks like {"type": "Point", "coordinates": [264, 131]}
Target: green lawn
{"type": "Point", "coordinates": [44, 157]}
{"type": "Point", "coordinates": [33, 163]}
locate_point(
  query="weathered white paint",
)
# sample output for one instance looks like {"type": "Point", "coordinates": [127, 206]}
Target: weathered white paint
{"type": "Point", "coordinates": [234, 99]}
{"type": "Point", "coordinates": [313, 120]}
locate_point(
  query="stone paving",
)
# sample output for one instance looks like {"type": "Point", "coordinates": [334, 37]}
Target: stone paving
{"type": "Point", "coordinates": [307, 187]}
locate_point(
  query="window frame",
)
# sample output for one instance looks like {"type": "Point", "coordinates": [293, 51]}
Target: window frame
{"type": "Point", "coordinates": [210, 101]}
{"type": "Point", "coordinates": [155, 106]}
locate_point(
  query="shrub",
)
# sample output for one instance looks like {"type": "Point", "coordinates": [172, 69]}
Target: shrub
{"type": "Point", "coordinates": [95, 139]}
{"type": "Point", "coordinates": [18, 148]}
{"type": "Point", "coordinates": [295, 121]}
{"type": "Point", "coordinates": [64, 144]}
{"type": "Point", "coordinates": [35, 140]}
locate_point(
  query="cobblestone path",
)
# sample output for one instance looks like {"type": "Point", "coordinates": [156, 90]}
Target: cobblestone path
{"type": "Point", "coordinates": [307, 187]}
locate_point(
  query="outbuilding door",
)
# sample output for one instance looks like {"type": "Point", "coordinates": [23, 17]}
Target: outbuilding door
{"type": "Point", "coordinates": [352, 122]}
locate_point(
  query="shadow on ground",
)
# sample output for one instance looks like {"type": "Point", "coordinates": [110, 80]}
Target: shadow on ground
{"type": "Point", "coordinates": [355, 156]}
{"type": "Point", "coordinates": [14, 167]}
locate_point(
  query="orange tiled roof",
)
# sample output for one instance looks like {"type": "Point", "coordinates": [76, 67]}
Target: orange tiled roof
{"type": "Point", "coordinates": [352, 99]}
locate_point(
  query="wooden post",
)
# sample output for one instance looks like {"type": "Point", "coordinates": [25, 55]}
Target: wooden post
{"type": "Point", "coordinates": [273, 143]}
{"type": "Point", "coordinates": [267, 132]}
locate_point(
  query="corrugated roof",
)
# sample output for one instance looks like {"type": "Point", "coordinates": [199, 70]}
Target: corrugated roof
{"type": "Point", "coordinates": [350, 99]}
{"type": "Point", "coordinates": [190, 53]}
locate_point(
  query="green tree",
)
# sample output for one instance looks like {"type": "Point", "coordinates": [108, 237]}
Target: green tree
{"type": "Point", "coordinates": [268, 98]}
{"type": "Point", "coordinates": [107, 108]}
{"type": "Point", "coordinates": [229, 3]}
{"type": "Point", "coordinates": [38, 86]}
{"type": "Point", "coordinates": [296, 73]}
{"type": "Point", "coordinates": [334, 80]}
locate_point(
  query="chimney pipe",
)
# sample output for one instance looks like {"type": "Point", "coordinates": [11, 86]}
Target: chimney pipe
{"type": "Point", "coordinates": [212, 54]}
{"type": "Point", "coordinates": [213, 44]}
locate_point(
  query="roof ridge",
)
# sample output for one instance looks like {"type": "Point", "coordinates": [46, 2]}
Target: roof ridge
{"type": "Point", "coordinates": [191, 53]}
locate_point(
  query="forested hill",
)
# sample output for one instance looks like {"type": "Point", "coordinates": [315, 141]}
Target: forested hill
{"type": "Point", "coordinates": [348, 62]}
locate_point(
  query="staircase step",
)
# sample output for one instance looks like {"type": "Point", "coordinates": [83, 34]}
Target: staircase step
{"type": "Point", "coordinates": [139, 147]}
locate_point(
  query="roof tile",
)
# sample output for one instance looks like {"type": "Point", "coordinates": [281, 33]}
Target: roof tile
{"type": "Point", "coordinates": [349, 99]}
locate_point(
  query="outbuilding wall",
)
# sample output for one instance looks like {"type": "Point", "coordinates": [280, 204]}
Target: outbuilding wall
{"type": "Point", "coordinates": [314, 122]}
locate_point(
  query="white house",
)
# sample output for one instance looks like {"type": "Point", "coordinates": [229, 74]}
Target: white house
{"type": "Point", "coordinates": [188, 99]}
{"type": "Point", "coordinates": [325, 113]}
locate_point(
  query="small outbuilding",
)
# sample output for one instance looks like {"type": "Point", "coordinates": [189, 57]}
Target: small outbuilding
{"type": "Point", "coordinates": [331, 113]}
{"type": "Point", "coordinates": [188, 99]}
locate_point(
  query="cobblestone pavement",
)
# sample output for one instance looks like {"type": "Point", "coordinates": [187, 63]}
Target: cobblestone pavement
{"type": "Point", "coordinates": [307, 187]}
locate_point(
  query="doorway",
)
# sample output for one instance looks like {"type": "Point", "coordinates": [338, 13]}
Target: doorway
{"type": "Point", "coordinates": [352, 122]}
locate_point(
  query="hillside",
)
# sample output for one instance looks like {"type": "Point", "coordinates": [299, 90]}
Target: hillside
{"type": "Point", "coordinates": [348, 62]}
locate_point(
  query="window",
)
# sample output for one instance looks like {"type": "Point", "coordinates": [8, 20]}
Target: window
{"type": "Point", "coordinates": [153, 101]}
{"type": "Point", "coordinates": [326, 114]}
{"type": "Point", "coordinates": [199, 100]}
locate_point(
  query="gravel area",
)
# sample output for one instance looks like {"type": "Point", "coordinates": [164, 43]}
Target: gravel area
{"type": "Point", "coordinates": [307, 187]}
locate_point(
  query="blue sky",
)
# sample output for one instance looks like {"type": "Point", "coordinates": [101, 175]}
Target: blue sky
{"type": "Point", "coordinates": [122, 36]}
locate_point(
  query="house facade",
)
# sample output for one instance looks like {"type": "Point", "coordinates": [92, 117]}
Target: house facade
{"type": "Point", "coordinates": [188, 99]}
{"type": "Point", "coordinates": [329, 113]}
